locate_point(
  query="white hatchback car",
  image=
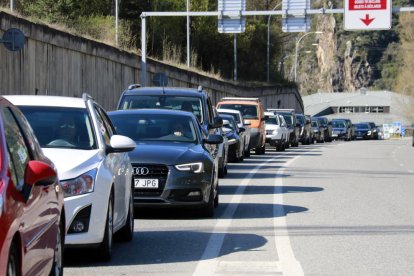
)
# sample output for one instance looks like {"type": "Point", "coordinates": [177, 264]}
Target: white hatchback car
{"type": "Point", "coordinates": [93, 166]}
{"type": "Point", "coordinates": [276, 131]}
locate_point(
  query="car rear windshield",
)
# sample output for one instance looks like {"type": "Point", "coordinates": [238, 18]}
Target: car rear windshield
{"type": "Point", "coordinates": [190, 104]}
{"type": "Point", "coordinates": [235, 116]}
{"type": "Point", "coordinates": [61, 127]}
{"type": "Point", "coordinates": [248, 111]}
{"type": "Point", "coordinates": [228, 123]}
{"type": "Point", "coordinates": [155, 127]}
{"type": "Point", "coordinates": [362, 126]}
{"type": "Point", "coordinates": [300, 119]}
{"type": "Point", "coordinates": [271, 120]}
{"type": "Point", "coordinates": [338, 124]}
{"type": "Point", "coordinates": [288, 119]}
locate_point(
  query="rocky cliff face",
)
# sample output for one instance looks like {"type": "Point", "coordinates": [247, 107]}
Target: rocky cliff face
{"type": "Point", "coordinates": [340, 64]}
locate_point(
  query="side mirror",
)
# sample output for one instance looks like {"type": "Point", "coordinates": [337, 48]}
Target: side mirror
{"type": "Point", "coordinates": [242, 129]}
{"type": "Point", "coordinates": [39, 173]}
{"type": "Point", "coordinates": [247, 123]}
{"type": "Point", "coordinates": [217, 122]}
{"type": "Point", "coordinates": [213, 139]}
{"type": "Point", "coordinates": [120, 143]}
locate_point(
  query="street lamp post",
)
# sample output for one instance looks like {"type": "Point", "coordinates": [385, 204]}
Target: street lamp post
{"type": "Point", "coordinates": [188, 33]}
{"type": "Point", "coordinates": [296, 49]}
{"type": "Point", "coordinates": [116, 22]}
{"type": "Point", "coordinates": [268, 45]}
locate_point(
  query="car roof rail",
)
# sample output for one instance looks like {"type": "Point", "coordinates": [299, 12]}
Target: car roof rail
{"type": "Point", "coordinates": [281, 109]}
{"type": "Point", "coordinates": [240, 99]}
{"type": "Point", "coordinates": [133, 86]}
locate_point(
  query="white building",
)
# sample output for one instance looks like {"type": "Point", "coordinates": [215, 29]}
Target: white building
{"type": "Point", "coordinates": [381, 107]}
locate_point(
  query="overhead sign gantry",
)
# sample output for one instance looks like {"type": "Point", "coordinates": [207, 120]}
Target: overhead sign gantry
{"type": "Point", "coordinates": [370, 11]}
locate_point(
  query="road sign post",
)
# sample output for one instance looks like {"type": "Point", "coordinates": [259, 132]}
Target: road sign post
{"type": "Point", "coordinates": [367, 14]}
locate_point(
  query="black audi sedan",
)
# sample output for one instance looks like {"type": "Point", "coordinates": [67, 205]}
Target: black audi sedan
{"type": "Point", "coordinates": [174, 163]}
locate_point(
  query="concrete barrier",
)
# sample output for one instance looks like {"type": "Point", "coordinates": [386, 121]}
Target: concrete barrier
{"type": "Point", "coordinates": [53, 62]}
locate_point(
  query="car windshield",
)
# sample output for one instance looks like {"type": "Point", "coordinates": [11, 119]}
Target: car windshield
{"type": "Point", "coordinates": [235, 116]}
{"type": "Point", "coordinates": [338, 124]}
{"type": "Point", "coordinates": [248, 111]}
{"type": "Point", "coordinates": [362, 126]}
{"type": "Point", "coordinates": [288, 119]}
{"type": "Point", "coordinates": [314, 124]}
{"type": "Point", "coordinates": [155, 127]}
{"type": "Point", "coordinates": [271, 120]}
{"type": "Point", "coordinates": [190, 104]}
{"type": "Point", "coordinates": [61, 127]}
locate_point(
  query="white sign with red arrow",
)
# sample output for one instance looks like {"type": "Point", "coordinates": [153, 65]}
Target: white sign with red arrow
{"type": "Point", "coordinates": [367, 14]}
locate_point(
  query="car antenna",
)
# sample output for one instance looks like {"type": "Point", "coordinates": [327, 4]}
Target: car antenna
{"type": "Point", "coordinates": [160, 79]}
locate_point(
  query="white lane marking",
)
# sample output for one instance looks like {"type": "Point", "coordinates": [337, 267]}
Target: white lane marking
{"type": "Point", "coordinates": [251, 268]}
{"type": "Point", "coordinates": [207, 264]}
{"type": "Point", "coordinates": [287, 261]}
{"type": "Point", "coordinates": [410, 171]}
{"type": "Point", "coordinates": [401, 165]}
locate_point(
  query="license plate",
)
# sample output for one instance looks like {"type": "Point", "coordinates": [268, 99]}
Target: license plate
{"type": "Point", "coordinates": [146, 183]}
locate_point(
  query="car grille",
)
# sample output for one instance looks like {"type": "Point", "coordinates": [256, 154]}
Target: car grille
{"type": "Point", "coordinates": [159, 172]}
{"type": "Point", "coordinates": [269, 132]}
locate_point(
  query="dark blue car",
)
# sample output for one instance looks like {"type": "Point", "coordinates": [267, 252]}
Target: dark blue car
{"type": "Point", "coordinates": [174, 162]}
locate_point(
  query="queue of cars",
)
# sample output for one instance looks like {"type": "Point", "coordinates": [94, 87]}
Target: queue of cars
{"type": "Point", "coordinates": [72, 173]}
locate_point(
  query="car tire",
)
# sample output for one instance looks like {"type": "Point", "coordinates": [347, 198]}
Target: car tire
{"type": "Point", "coordinates": [221, 172]}
{"type": "Point", "coordinates": [126, 233]}
{"type": "Point", "coordinates": [105, 249]}
{"type": "Point", "coordinates": [208, 210]}
{"type": "Point", "coordinates": [241, 158]}
{"type": "Point", "coordinates": [13, 264]}
{"type": "Point", "coordinates": [57, 267]}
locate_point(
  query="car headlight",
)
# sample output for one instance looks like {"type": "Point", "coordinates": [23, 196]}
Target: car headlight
{"type": "Point", "coordinates": [191, 167]}
{"type": "Point", "coordinates": [274, 132]}
{"type": "Point", "coordinates": [82, 184]}
{"type": "Point", "coordinates": [369, 132]}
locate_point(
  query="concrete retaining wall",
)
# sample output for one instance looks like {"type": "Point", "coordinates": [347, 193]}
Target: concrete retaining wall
{"type": "Point", "coordinates": [53, 62]}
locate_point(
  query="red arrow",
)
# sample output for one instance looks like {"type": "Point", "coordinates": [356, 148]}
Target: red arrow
{"type": "Point", "coordinates": [367, 20]}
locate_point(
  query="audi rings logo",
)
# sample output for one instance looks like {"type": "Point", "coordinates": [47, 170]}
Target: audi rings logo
{"type": "Point", "coordinates": [141, 171]}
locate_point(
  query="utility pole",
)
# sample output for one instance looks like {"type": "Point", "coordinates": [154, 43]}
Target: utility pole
{"type": "Point", "coordinates": [235, 57]}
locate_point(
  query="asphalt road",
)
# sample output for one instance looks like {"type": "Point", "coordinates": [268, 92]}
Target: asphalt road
{"type": "Point", "coordinates": [341, 208]}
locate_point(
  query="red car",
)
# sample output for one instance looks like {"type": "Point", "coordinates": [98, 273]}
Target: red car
{"type": "Point", "coordinates": [32, 228]}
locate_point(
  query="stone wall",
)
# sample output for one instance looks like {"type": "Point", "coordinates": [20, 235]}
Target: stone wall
{"type": "Point", "coordinates": [53, 62]}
